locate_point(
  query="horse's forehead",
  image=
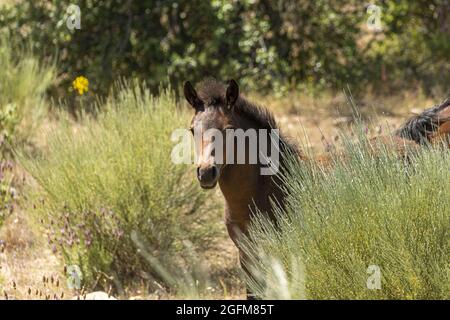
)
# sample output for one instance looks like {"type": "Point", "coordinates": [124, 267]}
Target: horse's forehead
{"type": "Point", "coordinates": [211, 117]}
{"type": "Point", "coordinates": [445, 113]}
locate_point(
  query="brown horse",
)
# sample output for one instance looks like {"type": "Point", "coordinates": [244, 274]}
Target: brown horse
{"type": "Point", "coordinates": [220, 107]}
{"type": "Point", "coordinates": [431, 126]}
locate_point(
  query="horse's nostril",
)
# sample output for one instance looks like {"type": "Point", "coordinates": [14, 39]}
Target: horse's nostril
{"type": "Point", "coordinates": [214, 173]}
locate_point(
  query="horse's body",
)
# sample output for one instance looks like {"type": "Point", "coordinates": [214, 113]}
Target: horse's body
{"type": "Point", "coordinates": [220, 107]}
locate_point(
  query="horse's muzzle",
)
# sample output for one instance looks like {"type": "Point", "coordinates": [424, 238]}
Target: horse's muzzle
{"type": "Point", "coordinates": [207, 176]}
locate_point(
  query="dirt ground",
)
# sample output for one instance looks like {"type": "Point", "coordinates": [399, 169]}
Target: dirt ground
{"type": "Point", "coordinates": [30, 270]}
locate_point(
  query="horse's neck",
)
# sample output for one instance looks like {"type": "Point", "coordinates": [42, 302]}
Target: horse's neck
{"type": "Point", "coordinates": [245, 189]}
{"type": "Point", "coordinates": [240, 185]}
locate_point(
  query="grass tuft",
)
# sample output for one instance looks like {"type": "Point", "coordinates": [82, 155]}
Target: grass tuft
{"type": "Point", "coordinates": [111, 177]}
{"type": "Point", "coordinates": [23, 84]}
{"type": "Point", "coordinates": [366, 214]}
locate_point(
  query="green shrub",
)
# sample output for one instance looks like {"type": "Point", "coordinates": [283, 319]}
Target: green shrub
{"type": "Point", "coordinates": [266, 44]}
{"type": "Point", "coordinates": [364, 212]}
{"type": "Point", "coordinates": [6, 191]}
{"type": "Point", "coordinates": [111, 177]}
{"type": "Point", "coordinates": [23, 83]}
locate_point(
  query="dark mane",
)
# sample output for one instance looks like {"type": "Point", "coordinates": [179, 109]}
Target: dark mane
{"type": "Point", "coordinates": [419, 127]}
{"type": "Point", "coordinates": [213, 92]}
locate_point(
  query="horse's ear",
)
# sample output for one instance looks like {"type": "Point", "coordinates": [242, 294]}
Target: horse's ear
{"type": "Point", "coordinates": [232, 93]}
{"type": "Point", "coordinates": [191, 95]}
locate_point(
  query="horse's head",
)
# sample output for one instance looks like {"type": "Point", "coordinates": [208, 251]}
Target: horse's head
{"type": "Point", "coordinates": [213, 107]}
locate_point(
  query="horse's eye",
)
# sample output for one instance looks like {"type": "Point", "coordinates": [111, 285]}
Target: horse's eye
{"type": "Point", "coordinates": [228, 128]}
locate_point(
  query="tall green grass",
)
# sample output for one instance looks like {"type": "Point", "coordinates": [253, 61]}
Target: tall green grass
{"type": "Point", "coordinates": [23, 83]}
{"type": "Point", "coordinates": [366, 211]}
{"type": "Point", "coordinates": [7, 193]}
{"type": "Point", "coordinates": [108, 186]}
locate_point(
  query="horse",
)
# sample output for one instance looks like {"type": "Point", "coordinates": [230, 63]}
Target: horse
{"type": "Point", "coordinates": [221, 107]}
{"type": "Point", "coordinates": [432, 126]}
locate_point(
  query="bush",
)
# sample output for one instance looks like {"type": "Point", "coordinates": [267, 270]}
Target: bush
{"type": "Point", "coordinates": [23, 83]}
{"type": "Point", "coordinates": [6, 191]}
{"type": "Point", "coordinates": [340, 225]}
{"type": "Point", "coordinates": [109, 185]}
{"type": "Point", "coordinates": [265, 44]}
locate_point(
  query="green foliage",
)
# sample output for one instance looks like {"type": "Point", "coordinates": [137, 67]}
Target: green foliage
{"type": "Point", "coordinates": [266, 44]}
{"type": "Point", "coordinates": [8, 123]}
{"type": "Point", "coordinates": [23, 83]}
{"type": "Point", "coordinates": [112, 177]}
{"type": "Point", "coordinates": [6, 191]}
{"type": "Point", "coordinates": [365, 211]}
{"type": "Point", "coordinates": [414, 45]}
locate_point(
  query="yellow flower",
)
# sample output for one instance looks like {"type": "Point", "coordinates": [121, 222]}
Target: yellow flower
{"type": "Point", "coordinates": [81, 84]}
